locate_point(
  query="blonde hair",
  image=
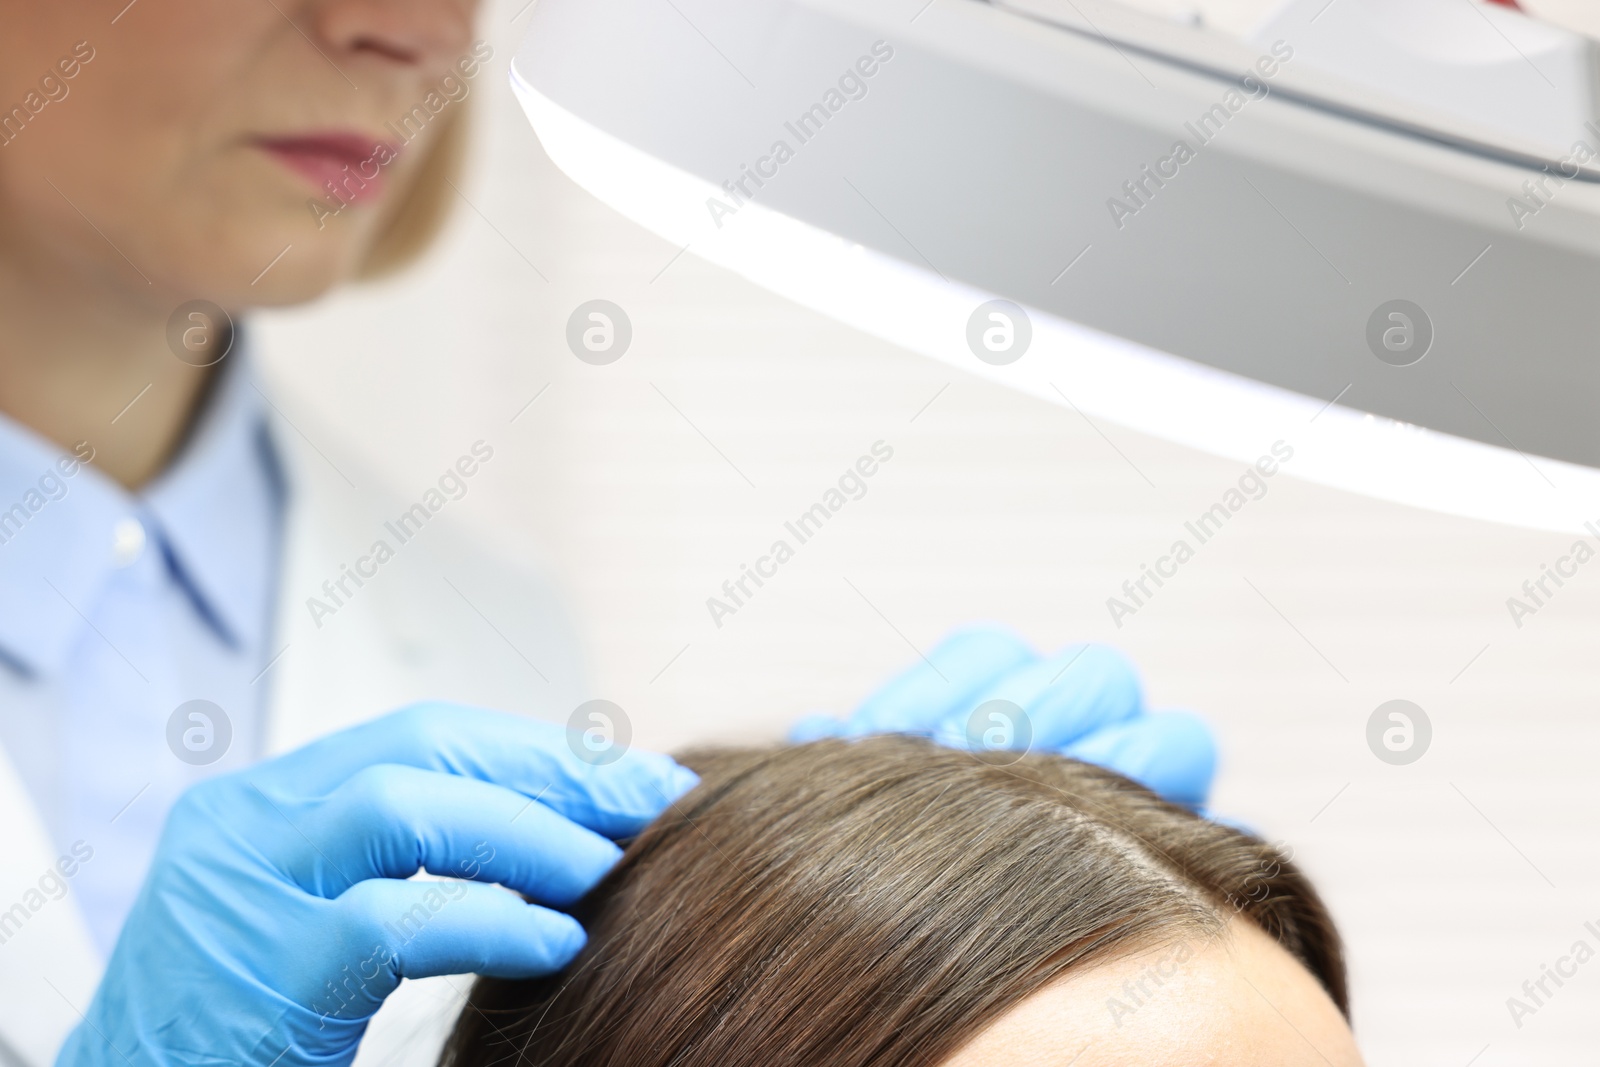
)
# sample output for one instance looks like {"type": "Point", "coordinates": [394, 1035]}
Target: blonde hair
{"type": "Point", "coordinates": [416, 220]}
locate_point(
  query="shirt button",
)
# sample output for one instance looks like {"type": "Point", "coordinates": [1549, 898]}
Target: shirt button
{"type": "Point", "coordinates": [127, 541]}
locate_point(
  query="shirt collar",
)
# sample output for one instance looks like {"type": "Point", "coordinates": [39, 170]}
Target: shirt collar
{"type": "Point", "coordinates": [219, 508]}
{"type": "Point", "coordinates": [214, 515]}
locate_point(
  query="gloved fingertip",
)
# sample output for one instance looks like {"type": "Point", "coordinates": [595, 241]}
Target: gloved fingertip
{"type": "Point", "coordinates": [1114, 676]}
{"type": "Point", "coordinates": [1193, 747]}
{"type": "Point", "coordinates": [667, 778]}
{"type": "Point", "coordinates": [814, 728]}
{"type": "Point", "coordinates": [952, 734]}
{"type": "Point", "coordinates": [984, 642]}
{"type": "Point", "coordinates": [619, 798]}
{"type": "Point", "coordinates": [587, 860]}
{"type": "Point", "coordinates": [859, 728]}
{"type": "Point", "coordinates": [609, 854]}
{"type": "Point", "coordinates": [680, 781]}
{"type": "Point", "coordinates": [564, 940]}
{"type": "Point", "coordinates": [1172, 753]}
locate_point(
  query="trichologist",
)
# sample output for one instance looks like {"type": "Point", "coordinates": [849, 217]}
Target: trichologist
{"type": "Point", "coordinates": [210, 812]}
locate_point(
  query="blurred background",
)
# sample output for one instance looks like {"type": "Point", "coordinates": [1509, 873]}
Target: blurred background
{"type": "Point", "coordinates": [648, 483]}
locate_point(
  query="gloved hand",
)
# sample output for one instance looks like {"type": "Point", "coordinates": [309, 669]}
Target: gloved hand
{"type": "Point", "coordinates": [275, 920]}
{"type": "Point", "coordinates": [1085, 701]}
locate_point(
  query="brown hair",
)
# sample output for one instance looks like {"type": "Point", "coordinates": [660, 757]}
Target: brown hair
{"type": "Point", "coordinates": [877, 902]}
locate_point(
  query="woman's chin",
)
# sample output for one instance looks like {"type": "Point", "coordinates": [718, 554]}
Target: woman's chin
{"type": "Point", "coordinates": [265, 268]}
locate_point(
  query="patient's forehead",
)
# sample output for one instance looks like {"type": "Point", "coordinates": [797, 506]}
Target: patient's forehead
{"type": "Point", "coordinates": [1235, 999]}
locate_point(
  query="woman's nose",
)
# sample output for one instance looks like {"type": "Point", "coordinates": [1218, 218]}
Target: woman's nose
{"type": "Point", "coordinates": [411, 32]}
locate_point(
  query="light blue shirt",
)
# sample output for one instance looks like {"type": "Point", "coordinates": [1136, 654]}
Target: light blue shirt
{"type": "Point", "coordinates": [116, 609]}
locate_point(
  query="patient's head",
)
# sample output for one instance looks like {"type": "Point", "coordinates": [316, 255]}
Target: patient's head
{"type": "Point", "coordinates": [888, 902]}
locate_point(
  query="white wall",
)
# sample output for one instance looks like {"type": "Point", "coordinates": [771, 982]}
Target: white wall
{"type": "Point", "coordinates": [1000, 507]}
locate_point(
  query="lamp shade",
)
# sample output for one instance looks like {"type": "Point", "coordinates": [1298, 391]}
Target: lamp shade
{"type": "Point", "coordinates": [1223, 242]}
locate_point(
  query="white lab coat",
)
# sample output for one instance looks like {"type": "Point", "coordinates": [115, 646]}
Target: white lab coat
{"type": "Point", "coordinates": [443, 619]}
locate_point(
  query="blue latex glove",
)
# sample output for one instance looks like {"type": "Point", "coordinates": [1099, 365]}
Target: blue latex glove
{"type": "Point", "coordinates": [275, 920]}
{"type": "Point", "coordinates": [1085, 701]}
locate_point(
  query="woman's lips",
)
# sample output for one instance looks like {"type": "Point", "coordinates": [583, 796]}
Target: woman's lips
{"type": "Point", "coordinates": [351, 162]}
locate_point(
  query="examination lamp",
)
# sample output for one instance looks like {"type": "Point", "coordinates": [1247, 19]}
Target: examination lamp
{"type": "Point", "coordinates": [1369, 228]}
